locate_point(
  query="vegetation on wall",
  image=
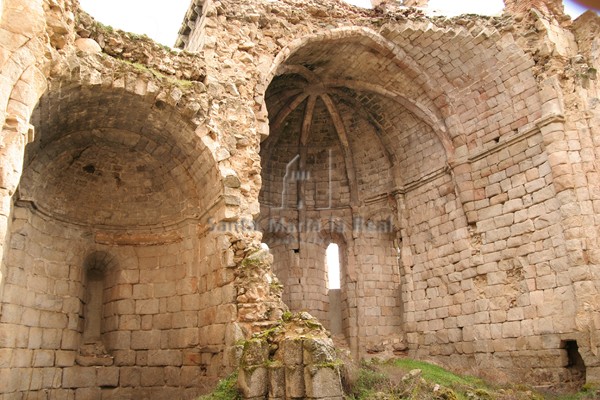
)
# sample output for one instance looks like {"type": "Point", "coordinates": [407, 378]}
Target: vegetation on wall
{"type": "Point", "coordinates": [225, 390]}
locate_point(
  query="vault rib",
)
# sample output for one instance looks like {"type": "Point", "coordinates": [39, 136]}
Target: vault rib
{"type": "Point", "coordinates": [302, 149]}
{"type": "Point", "coordinates": [287, 110]}
{"type": "Point", "coordinates": [434, 121]}
{"type": "Point", "coordinates": [340, 129]}
{"type": "Point", "coordinates": [308, 118]}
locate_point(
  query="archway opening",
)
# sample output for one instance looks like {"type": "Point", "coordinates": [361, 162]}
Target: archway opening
{"type": "Point", "coordinates": [348, 139]}
{"type": "Point", "coordinates": [575, 366]}
{"type": "Point", "coordinates": [112, 172]}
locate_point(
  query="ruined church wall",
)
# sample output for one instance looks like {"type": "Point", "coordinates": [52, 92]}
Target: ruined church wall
{"type": "Point", "coordinates": [162, 329]}
{"type": "Point", "coordinates": [40, 318]}
{"type": "Point", "coordinates": [497, 256]}
{"type": "Point", "coordinates": [434, 245]}
{"type": "Point", "coordinates": [456, 228]}
{"type": "Point", "coordinates": [511, 295]}
{"type": "Point", "coordinates": [512, 227]}
{"type": "Point", "coordinates": [21, 81]}
{"type": "Point", "coordinates": [497, 286]}
{"type": "Point", "coordinates": [483, 80]}
{"type": "Point", "coordinates": [168, 306]}
{"type": "Point", "coordinates": [378, 295]}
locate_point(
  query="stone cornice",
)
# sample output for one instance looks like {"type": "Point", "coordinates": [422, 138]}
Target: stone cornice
{"type": "Point", "coordinates": [523, 133]}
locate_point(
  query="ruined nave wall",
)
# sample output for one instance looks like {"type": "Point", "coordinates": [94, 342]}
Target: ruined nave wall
{"type": "Point", "coordinates": [163, 311]}
{"type": "Point", "coordinates": [497, 218]}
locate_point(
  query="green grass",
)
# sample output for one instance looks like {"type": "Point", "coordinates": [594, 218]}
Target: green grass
{"type": "Point", "coordinates": [589, 391]}
{"type": "Point", "coordinates": [441, 376]}
{"type": "Point", "coordinates": [181, 83]}
{"type": "Point", "coordinates": [106, 28]}
{"type": "Point", "coordinates": [383, 381]}
{"type": "Point", "coordinates": [226, 390]}
{"type": "Point", "coordinates": [367, 384]}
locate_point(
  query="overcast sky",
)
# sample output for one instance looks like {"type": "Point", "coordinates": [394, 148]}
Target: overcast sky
{"type": "Point", "coordinates": [161, 21]}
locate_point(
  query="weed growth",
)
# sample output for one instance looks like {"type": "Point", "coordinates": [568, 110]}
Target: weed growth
{"type": "Point", "coordinates": [226, 390]}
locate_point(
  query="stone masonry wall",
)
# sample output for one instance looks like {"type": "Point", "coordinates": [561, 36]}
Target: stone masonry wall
{"type": "Point", "coordinates": [119, 118]}
{"type": "Point", "coordinates": [489, 220]}
{"type": "Point", "coordinates": [153, 340]}
{"type": "Point", "coordinates": [463, 171]}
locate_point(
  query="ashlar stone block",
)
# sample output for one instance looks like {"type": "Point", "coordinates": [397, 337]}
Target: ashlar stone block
{"type": "Point", "coordinates": [323, 381]}
{"type": "Point", "coordinates": [253, 381]}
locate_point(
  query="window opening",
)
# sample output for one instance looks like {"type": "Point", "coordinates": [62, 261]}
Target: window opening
{"type": "Point", "coordinates": [92, 350]}
{"type": "Point", "coordinates": [332, 259]}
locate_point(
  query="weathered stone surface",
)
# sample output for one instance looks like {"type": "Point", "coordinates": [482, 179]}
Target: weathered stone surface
{"type": "Point", "coordinates": [276, 382]}
{"type": "Point", "coordinates": [88, 45]}
{"type": "Point", "coordinates": [79, 377]}
{"type": "Point", "coordinates": [253, 381]}
{"type": "Point", "coordinates": [323, 381]}
{"type": "Point", "coordinates": [295, 382]}
{"type": "Point", "coordinates": [318, 351]}
{"type": "Point", "coordinates": [453, 161]}
{"type": "Point", "coordinates": [256, 352]}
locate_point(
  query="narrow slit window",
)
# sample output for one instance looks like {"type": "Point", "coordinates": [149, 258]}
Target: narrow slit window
{"type": "Point", "coordinates": [332, 259]}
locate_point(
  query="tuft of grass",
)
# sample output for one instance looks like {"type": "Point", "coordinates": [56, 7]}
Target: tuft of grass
{"type": "Point", "coordinates": [589, 391]}
{"type": "Point", "coordinates": [226, 390]}
{"type": "Point", "coordinates": [441, 376]}
{"type": "Point", "coordinates": [136, 36]}
{"type": "Point", "coordinates": [106, 28]}
{"type": "Point", "coordinates": [181, 83]}
{"type": "Point", "coordinates": [368, 383]}
{"type": "Point", "coordinates": [390, 381]}
{"type": "Point", "coordinates": [287, 316]}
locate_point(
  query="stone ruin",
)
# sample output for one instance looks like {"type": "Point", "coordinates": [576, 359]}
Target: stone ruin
{"type": "Point", "coordinates": [455, 162]}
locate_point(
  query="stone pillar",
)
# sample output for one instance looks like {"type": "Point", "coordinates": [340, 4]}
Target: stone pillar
{"type": "Point", "coordinates": [305, 365]}
{"type": "Point", "coordinates": [545, 6]}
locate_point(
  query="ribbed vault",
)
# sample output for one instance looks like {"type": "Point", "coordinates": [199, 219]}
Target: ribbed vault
{"type": "Point", "coordinates": [370, 102]}
{"type": "Point", "coordinates": [351, 128]}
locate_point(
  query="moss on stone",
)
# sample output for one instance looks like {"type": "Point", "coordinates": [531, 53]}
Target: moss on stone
{"type": "Point", "coordinates": [180, 83]}
{"type": "Point", "coordinates": [332, 364]}
{"type": "Point", "coordinates": [287, 316]}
